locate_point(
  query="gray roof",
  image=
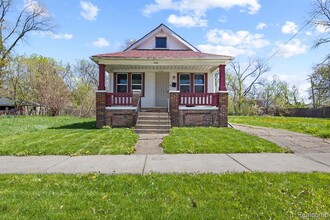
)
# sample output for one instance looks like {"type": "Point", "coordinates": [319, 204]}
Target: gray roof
{"type": "Point", "coordinates": [4, 101]}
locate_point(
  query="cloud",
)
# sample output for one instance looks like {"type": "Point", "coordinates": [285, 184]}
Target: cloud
{"type": "Point", "coordinates": [223, 19]}
{"type": "Point", "coordinates": [261, 26]}
{"type": "Point", "coordinates": [322, 27]}
{"type": "Point", "coordinates": [191, 12]}
{"type": "Point", "coordinates": [239, 38]}
{"type": "Point", "coordinates": [187, 21]}
{"type": "Point", "coordinates": [295, 47]}
{"type": "Point", "coordinates": [308, 33]}
{"type": "Point", "coordinates": [60, 36]}
{"type": "Point", "coordinates": [289, 28]}
{"type": "Point", "coordinates": [101, 42]}
{"type": "Point", "coordinates": [89, 11]}
{"type": "Point", "coordinates": [34, 6]}
{"type": "Point", "coordinates": [223, 50]}
{"type": "Point", "coordinates": [200, 7]}
{"type": "Point", "coordinates": [227, 42]}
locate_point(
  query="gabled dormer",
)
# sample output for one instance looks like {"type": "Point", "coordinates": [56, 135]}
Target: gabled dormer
{"type": "Point", "coordinates": [162, 38]}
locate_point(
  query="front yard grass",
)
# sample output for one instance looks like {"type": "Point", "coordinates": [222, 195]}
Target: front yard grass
{"type": "Point", "coordinates": [161, 196]}
{"type": "Point", "coordinates": [215, 140]}
{"type": "Point", "coordinates": [319, 127]}
{"type": "Point", "coordinates": [42, 135]}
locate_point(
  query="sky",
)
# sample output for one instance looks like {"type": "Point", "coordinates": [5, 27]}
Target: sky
{"type": "Point", "coordinates": [245, 29]}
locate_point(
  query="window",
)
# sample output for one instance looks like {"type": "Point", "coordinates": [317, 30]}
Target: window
{"type": "Point", "coordinates": [192, 83]}
{"type": "Point", "coordinates": [136, 81]}
{"type": "Point", "coordinates": [127, 82]}
{"type": "Point", "coordinates": [122, 82]}
{"type": "Point", "coordinates": [185, 82]}
{"type": "Point", "coordinates": [161, 42]}
{"type": "Point", "coordinates": [199, 83]}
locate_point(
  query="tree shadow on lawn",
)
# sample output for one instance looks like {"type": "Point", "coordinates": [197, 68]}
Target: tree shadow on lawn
{"type": "Point", "coordinates": [82, 125]}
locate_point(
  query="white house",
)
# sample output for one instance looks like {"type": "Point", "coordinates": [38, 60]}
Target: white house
{"type": "Point", "coordinates": [164, 67]}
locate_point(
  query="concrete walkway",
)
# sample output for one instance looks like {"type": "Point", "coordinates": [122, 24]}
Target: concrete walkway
{"type": "Point", "coordinates": [149, 144]}
{"type": "Point", "coordinates": [299, 143]}
{"type": "Point", "coordinates": [175, 163]}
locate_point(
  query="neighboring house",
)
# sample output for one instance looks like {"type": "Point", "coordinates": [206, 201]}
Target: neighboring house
{"type": "Point", "coordinates": [9, 107]}
{"type": "Point", "coordinates": [161, 72]}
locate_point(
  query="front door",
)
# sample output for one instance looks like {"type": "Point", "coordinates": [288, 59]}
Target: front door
{"type": "Point", "coordinates": [162, 85]}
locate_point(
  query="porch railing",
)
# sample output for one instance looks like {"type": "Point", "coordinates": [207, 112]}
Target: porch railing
{"type": "Point", "coordinates": [195, 99]}
{"type": "Point", "coordinates": [119, 99]}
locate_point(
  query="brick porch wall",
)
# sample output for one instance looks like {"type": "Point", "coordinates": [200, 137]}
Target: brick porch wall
{"type": "Point", "coordinates": [195, 117]}
{"type": "Point", "coordinates": [121, 118]}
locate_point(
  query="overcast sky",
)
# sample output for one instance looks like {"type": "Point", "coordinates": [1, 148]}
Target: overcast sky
{"type": "Point", "coordinates": [241, 28]}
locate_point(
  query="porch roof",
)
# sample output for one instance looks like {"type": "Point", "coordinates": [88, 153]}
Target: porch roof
{"type": "Point", "coordinates": [147, 54]}
{"type": "Point", "coordinates": [178, 60]}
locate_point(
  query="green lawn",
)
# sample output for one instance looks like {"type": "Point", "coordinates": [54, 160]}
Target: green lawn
{"type": "Point", "coordinates": [61, 136]}
{"type": "Point", "coordinates": [215, 140]}
{"type": "Point", "coordinates": [319, 127]}
{"type": "Point", "coordinates": [157, 196]}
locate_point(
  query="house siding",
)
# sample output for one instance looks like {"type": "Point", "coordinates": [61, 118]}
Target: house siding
{"type": "Point", "coordinates": [172, 43]}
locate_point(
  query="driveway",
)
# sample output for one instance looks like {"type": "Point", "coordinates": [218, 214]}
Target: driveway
{"type": "Point", "coordinates": [297, 142]}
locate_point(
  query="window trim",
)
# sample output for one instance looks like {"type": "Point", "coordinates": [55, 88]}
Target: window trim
{"type": "Point", "coordinates": [129, 82]}
{"type": "Point", "coordinates": [117, 84]}
{"type": "Point", "coordinates": [192, 82]}
{"type": "Point", "coordinates": [156, 38]}
{"type": "Point", "coordinates": [188, 84]}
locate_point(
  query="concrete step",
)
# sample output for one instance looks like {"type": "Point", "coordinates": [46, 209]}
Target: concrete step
{"type": "Point", "coordinates": [149, 126]}
{"type": "Point", "coordinates": [159, 109]}
{"type": "Point", "coordinates": [153, 122]}
{"type": "Point", "coordinates": [162, 118]}
{"type": "Point", "coordinates": [152, 131]}
{"type": "Point", "coordinates": [153, 113]}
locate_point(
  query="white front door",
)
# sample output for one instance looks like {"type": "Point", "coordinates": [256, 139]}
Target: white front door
{"type": "Point", "coordinates": [162, 85]}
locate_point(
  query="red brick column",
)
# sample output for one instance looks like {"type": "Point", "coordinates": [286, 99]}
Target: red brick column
{"type": "Point", "coordinates": [223, 109]}
{"type": "Point", "coordinates": [174, 108]}
{"type": "Point", "coordinates": [100, 108]}
{"type": "Point", "coordinates": [101, 77]}
{"type": "Point", "coordinates": [222, 78]}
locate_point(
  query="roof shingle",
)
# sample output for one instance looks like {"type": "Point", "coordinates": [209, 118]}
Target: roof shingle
{"type": "Point", "coordinates": [160, 54]}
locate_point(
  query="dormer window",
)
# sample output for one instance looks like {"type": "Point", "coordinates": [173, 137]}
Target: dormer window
{"type": "Point", "coordinates": [161, 42]}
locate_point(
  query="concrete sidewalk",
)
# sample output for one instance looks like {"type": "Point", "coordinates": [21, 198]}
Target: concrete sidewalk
{"type": "Point", "coordinates": [175, 163]}
{"type": "Point", "coordinates": [299, 143]}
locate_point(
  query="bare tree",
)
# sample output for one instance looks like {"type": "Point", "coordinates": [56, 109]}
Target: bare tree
{"type": "Point", "coordinates": [14, 28]}
{"type": "Point", "coordinates": [87, 71]}
{"type": "Point", "coordinates": [242, 79]}
{"type": "Point", "coordinates": [321, 20]}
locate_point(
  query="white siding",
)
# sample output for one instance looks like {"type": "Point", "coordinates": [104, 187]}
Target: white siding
{"type": "Point", "coordinates": [172, 43]}
{"type": "Point", "coordinates": [109, 87]}
{"type": "Point", "coordinates": [210, 83]}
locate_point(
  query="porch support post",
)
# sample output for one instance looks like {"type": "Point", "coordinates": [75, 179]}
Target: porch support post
{"type": "Point", "coordinates": [223, 109]}
{"type": "Point", "coordinates": [100, 109]}
{"type": "Point", "coordinates": [101, 77]}
{"type": "Point", "coordinates": [101, 99]}
{"type": "Point", "coordinates": [174, 108]}
{"type": "Point", "coordinates": [222, 78]}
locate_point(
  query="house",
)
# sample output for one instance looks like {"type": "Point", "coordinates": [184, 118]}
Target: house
{"type": "Point", "coordinates": [161, 72]}
{"type": "Point", "coordinates": [9, 106]}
